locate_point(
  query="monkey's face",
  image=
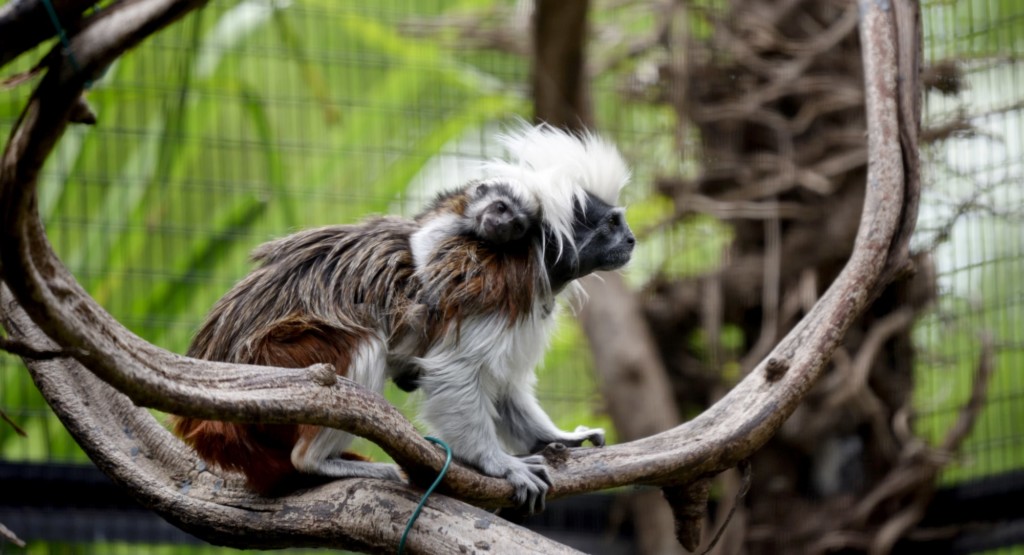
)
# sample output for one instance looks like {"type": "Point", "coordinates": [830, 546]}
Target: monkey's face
{"type": "Point", "coordinates": [601, 241]}
{"type": "Point", "coordinates": [499, 215]}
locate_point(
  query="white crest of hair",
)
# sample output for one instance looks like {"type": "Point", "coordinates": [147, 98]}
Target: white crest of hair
{"type": "Point", "coordinates": [559, 168]}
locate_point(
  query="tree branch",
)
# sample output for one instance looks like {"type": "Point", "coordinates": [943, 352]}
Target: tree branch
{"type": "Point", "coordinates": [26, 23]}
{"type": "Point", "coordinates": [19, 348]}
{"type": "Point", "coordinates": [10, 536]}
{"type": "Point", "coordinates": [138, 453]}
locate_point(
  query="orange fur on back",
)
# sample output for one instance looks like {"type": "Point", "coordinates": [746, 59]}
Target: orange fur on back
{"type": "Point", "coordinates": [314, 297]}
{"type": "Point", "coordinates": [263, 451]}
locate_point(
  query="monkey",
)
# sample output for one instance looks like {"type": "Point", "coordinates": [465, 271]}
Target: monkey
{"type": "Point", "coordinates": [486, 210]}
{"type": "Point", "coordinates": [237, 329]}
{"type": "Point", "coordinates": [497, 214]}
{"type": "Point", "coordinates": [490, 210]}
{"type": "Point", "coordinates": [463, 295]}
{"type": "Point", "coordinates": [478, 384]}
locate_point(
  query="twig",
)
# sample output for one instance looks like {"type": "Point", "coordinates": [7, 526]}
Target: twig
{"type": "Point", "coordinates": [857, 377]}
{"type": "Point", "coordinates": [913, 480]}
{"type": "Point", "coordinates": [19, 348]}
{"type": "Point", "coordinates": [744, 467]}
{"type": "Point", "coordinates": [10, 536]}
{"type": "Point", "coordinates": [979, 391]}
{"type": "Point", "coordinates": [769, 295]}
{"type": "Point", "coordinates": [8, 420]}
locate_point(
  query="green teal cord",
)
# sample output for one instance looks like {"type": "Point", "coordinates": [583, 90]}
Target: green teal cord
{"type": "Point", "coordinates": [426, 494]}
{"type": "Point", "coordinates": [61, 34]}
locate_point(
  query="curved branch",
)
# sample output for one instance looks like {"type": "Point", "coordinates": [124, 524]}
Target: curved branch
{"type": "Point", "coordinates": [26, 23]}
{"type": "Point", "coordinates": [142, 456]}
{"type": "Point", "coordinates": [203, 502]}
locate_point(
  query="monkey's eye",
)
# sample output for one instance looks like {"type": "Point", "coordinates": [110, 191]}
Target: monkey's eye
{"type": "Point", "coordinates": [614, 221]}
{"type": "Point", "coordinates": [500, 207]}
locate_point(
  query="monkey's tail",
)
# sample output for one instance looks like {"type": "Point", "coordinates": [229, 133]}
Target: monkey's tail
{"type": "Point", "coordinates": [261, 452]}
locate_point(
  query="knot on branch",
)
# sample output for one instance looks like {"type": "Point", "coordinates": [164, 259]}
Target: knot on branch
{"type": "Point", "coordinates": [556, 454]}
{"type": "Point", "coordinates": [689, 505]}
{"type": "Point", "coordinates": [322, 374]}
{"type": "Point", "coordinates": [775, 368]}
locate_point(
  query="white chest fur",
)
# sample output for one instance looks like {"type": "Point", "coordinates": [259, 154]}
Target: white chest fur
{"type": "Point", "coordinates": [488, 352]}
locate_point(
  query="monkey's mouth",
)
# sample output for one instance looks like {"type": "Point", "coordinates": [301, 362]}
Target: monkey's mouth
{"type": "Point", "coordinates": [497, 233]}
{"type": "Point", "coordinates": [617, 257]}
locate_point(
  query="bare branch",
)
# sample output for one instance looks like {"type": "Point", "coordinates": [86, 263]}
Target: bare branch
{"type": "Point", "coordinates": [979, 391]}
{"type": "Point", "coordinates": [19, 348]}
{"type": "Point", "coordinates": [911, 484]}
{"type": "Point", "coordinates": [142, 456]}
{"type": "Point", "coordinates": [855, 378]}
{"type": "Point", "coordinates": [10, 536]}
{"type": "Point", "coordinates": [12, 424]}
{"type": "Point", "coordinates": [741, 492]}
{"type": "Point", "coordinates": [26, 23]}
{"type": "Point", "coordinates": [163, 380]}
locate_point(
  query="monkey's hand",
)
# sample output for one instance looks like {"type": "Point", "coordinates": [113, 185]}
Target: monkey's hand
{"type": "Point", "coordinates": [575, 438]}
{"type": "Point", "coordinates": [528, 475]}
{"type": "Point", "coordinates": [581, 434]}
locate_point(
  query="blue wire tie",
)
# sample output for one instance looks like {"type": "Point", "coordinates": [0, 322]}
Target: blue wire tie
{"type": "Point", "coordinates": [426, 494]}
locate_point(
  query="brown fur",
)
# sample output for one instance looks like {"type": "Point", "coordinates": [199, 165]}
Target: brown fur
{"type": "Point", "coordinates": [474, 279]}
{"type": "Point", "coordinates": [285, 313]}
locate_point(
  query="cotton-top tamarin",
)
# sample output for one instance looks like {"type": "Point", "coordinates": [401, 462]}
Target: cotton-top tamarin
{"type": "Point", "coordinates": [458, 302]}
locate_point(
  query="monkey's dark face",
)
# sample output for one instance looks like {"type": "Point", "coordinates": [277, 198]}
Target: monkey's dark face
{"type": "Point", "coordinates": [601, 241]}
{"type": "Point", "coordinates": [499, 215]}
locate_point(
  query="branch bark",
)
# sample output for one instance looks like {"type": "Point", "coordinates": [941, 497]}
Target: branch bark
{"type": "Point", "coordinates": [98, 393]}
{"type": "Point", "coordinates": [26, 23]}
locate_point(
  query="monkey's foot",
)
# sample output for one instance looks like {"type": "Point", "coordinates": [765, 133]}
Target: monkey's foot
{"type": "Point", "coordinates": [529, 476]}
{"type": "Point", "coordinates": [347, 468]}
{"type": "Point", "coordinates": [577, 438]}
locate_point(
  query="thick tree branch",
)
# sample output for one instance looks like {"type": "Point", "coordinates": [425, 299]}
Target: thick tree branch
{"type": "Point", "coordinates": [154, 377]}
{"type": "Point", "coordinates": [26, 23]}
{"type": "Point", "coordinates": [19, 348]}
{"type": "Point", "coordinates": [138, 453]}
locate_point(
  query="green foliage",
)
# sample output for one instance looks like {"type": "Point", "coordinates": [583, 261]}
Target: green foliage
{"type": "Point", "coordinates": [981, 265]}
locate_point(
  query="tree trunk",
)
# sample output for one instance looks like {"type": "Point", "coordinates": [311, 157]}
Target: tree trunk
{"type": "Point", "coordinates": [633, 380]}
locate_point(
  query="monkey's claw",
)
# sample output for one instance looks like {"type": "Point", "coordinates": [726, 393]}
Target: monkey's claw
{"type": "Point", "coordinates": [582, 434]}
{"type": "Point", "coordinates": [594, 436]}
{"type": "Point", "coordinates": [529, 476]}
